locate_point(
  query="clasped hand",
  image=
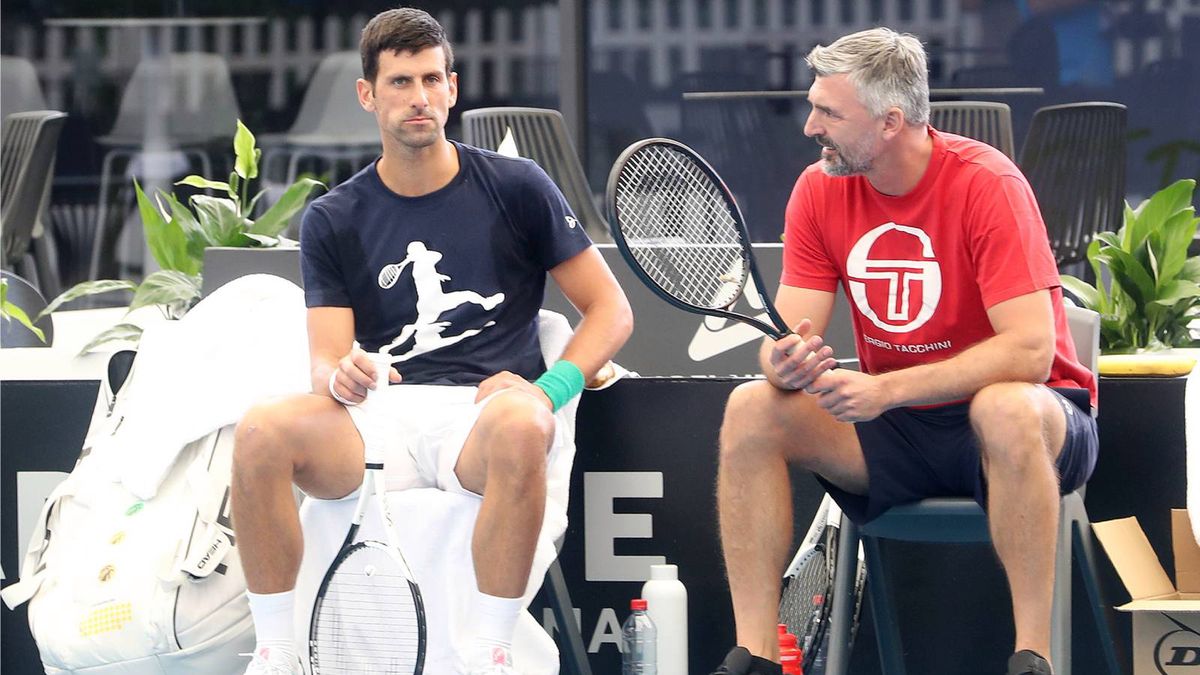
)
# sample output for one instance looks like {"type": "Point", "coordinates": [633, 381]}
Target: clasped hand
{"type": "Point", "coordinates": [808, 364]}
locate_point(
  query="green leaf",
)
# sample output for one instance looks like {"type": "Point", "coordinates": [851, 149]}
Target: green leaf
{"type": "Point", "coordinates": [1085, 292]}
{"type": "Point", "coordinates": [165, 238]}
{"type": "Point", "coordinates": [206, 184]}
{"type": "Point", "coordinates": [1191, 269]}
{"type": "Point", "coordinates": [1177, 290]}
{"type": "Point", "coordinates": [87, 288]}
{"type": "Point", "coordinates": [1177, 235]}
{"type": "Point", "coordinates": [245, 155]}
{"type": "Point", "coordinates": [220, 220]}
{"type": "Point", "coordinates": [276, 219]}
{"type": "Point", "coordinates": [1129, 274]}
{"type": "Point", "coordinates": [166, 287]}
{"type": "Point", "coordinates": [263, 240]}
{"type": "Point", "coordinates": [120, 332]}
{"type": "Point", "coordinates": [10, 310]}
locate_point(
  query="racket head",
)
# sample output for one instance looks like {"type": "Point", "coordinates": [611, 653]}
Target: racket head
{"type": "Point", "coordinates": [678, 226]}
{"type": "Point", "coordinates": [369, 616]}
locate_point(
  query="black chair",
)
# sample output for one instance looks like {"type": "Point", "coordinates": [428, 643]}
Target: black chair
{"type": "Point", "coordinates": [541, 135]}
{"type": "Point", "coordinates": [1074, 158]}
{"type": "Point", "coordinates": [959, 520]}
{"type": "Point", "coordinates": [22, 294]}
{"type": "Point", "coordinates": [27, 150]}
{"type": "Point", "coordinates": [985, 121]}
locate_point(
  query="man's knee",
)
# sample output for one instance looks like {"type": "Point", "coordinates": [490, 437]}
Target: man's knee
{"type": "Point", "coordinates": [520, 430]}
{"type": "Point", "coordinates": [261, 438]}
{"type": "Point", "coordinates": [1009, 420]}
{"type": "Point", "coordinates": [761, 419]}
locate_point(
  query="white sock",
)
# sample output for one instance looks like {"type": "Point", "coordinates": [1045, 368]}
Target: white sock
{"type": "Point", "coordinates": [495, 621]}
{"type": "Point", "coordinates": [272, 614]}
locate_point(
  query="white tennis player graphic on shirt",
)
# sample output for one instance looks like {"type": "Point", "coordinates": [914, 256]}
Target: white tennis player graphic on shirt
{"type": "Point", "coordinates": [432, 302]}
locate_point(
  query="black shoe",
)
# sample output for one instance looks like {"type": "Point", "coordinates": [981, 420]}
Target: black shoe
{"type": "Point", "coordinates": [1026, 662]}
{"type": "Point", "coordinates": [739, 661]}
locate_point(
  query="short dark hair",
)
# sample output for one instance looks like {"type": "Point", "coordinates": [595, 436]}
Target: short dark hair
{"type": "Point", "coordinates": [404, 29]}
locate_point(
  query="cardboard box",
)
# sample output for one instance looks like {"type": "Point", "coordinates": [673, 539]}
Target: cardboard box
{"type": "Point", "coordinates": [1166, 617]}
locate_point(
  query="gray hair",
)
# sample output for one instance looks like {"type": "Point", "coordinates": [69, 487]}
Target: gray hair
{"type": "Point", "coordinates": [887, 68]}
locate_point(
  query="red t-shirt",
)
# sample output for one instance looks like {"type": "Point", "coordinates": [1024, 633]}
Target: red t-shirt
{"type": "Point", "coordinates": [921, 269]}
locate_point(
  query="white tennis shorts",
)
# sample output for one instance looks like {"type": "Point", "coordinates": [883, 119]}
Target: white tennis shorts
{"type": "Point", "coordinates": [422, 432]}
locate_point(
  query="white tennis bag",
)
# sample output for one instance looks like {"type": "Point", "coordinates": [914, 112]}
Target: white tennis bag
{"type": "Point", "coordinates": [132, 568]}
{"type": "Point", "coordinates": [122, 585]}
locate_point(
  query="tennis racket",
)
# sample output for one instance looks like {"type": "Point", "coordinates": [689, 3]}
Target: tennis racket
{"type": "Point", "coordinates": [368, 616]}
{"type": "Point", "coordinates": [677, 225]}
{"type": "Point", "coordinates": [806, 603]}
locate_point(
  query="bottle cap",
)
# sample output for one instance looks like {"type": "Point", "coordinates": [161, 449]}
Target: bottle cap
{"type": "Point", "coordinates": [637, 603]}
{"type": "Point", "coordinates": [664, 572]}
{"type": "Point", "coordinates": [782, 629]}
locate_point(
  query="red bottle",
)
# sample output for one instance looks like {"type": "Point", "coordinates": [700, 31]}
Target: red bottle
{"type": "Point", "coordinates": [789, 652]}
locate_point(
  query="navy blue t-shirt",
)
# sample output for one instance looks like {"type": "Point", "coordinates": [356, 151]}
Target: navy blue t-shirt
{"type": "Point", "coordinates": [449, 283]}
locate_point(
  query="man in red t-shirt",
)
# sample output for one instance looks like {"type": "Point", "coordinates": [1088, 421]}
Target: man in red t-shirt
{"type": "Point", "coordinates": [967, 362]}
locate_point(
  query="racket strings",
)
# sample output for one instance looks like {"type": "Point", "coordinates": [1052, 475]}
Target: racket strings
{"type": "Point", "coordinates": [679, 226]}
{"type": "Point", "coordinates": [368, 620]}
{"type": "Point", "coordinates": [804, 603]}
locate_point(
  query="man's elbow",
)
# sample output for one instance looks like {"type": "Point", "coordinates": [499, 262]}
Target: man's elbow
{"type": "Point", "coordinates": [622, 319]}
{"type": "Point", "coordinates": [1037, 363]}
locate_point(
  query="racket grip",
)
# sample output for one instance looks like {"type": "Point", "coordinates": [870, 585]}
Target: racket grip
{"type": "Point", "coordinates": [383, 367]}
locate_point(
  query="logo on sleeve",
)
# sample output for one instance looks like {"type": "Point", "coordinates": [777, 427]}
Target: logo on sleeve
{"type": "Point", "coordinates": [894, 278]}
{"type": "Point", "coordinates": [571, 222]}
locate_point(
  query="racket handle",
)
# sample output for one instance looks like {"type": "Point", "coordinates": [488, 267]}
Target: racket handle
{"type": "Point", "coordinates": [377, 424]}
{"type": "Point", "coordinates": [383, 368]}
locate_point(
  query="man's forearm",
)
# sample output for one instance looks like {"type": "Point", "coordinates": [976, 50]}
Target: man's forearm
{"type": "Point", "coordinates": [1001, 358]}
{"type": "Point", "coordinates": [603, 329]}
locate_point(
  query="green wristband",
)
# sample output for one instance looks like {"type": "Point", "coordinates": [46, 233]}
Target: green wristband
{"type": "Point", "coordinates": [562, 382]}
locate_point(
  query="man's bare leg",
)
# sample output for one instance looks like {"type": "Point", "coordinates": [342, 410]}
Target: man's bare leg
{"type": "Point", "coordinates": [763, 430]}
{"type": "Point", "coordinates": [504, 459]}
{"type": "Point", "coordinates": [1021, 428]}
{"type": "Point", "coordinates": [305, 440]}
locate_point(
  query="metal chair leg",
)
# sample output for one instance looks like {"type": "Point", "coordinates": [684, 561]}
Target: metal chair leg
{"type": "Point", "coordinates": [838, 657]}
{"type": "Point", "coordinates": [572, 654]}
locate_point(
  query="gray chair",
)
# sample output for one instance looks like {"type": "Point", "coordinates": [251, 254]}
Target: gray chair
{"type": "Point", "coordinates": [958, 520]}
{"type": "Point", "coordinates": [177, 106]}
{"type": "Point", "coordinates": [19, 82]}
{"type": "Point", "coordinates": [22, 294]}
{"type": "Point", "coordinates": [540, 135]}
{"type": "Point", "coordinates": [29, 144]}
{"type": "Point", "coordinates": [985, 121]}
{"type": "Point", "coordinates": [1074, 158]}
{"type": "Point", "coordinates": [331, 126]}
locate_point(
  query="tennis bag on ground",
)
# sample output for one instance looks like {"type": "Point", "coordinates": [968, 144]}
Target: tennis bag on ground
{"type": "Point", "coordinates": [116, 584]}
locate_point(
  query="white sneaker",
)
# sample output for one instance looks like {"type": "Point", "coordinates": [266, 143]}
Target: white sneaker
{"type": "Point", "coordinates": [274, 662]}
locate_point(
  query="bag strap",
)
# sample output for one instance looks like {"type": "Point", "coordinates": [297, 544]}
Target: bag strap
{"type": "Point", "coordinates": [32, 567]}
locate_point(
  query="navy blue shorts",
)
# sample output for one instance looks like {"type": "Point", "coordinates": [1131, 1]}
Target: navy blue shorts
{"type": "Point", "coordinates": [912, 454]}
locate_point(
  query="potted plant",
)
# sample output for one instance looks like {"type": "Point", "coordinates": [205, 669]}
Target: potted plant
{"type": "Point", "coordinates": [177, 236]}
{"type": "Point", "coordinates": [1147, 289]}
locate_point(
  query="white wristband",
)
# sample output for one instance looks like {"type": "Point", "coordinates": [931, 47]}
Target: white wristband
{"type": "Point", "coordinates": [333, 392]}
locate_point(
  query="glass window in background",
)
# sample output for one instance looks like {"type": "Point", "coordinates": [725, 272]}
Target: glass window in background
{"type": "Point", "coordinates": [285, 67]}
{"type": "Point", "coordinates": [1073, 50]}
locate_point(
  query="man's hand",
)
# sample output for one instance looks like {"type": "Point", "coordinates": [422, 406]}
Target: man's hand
{"type": "Point", "coordinates": [850, 396]}
{"type": "Point", "coordinates": [797, 361]}
{"type": "Point", "coordinates": [355, 375]}
{"type": "Point", "coordinates": [507, 380]}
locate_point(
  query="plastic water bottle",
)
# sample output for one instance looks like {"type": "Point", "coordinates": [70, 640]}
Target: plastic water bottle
{"type": "Point", "coordinates": [638, 642]}
{"type": "Point", "coordinates": [667, 607]}
{"type": "Point", "coordinates": [789, 652]}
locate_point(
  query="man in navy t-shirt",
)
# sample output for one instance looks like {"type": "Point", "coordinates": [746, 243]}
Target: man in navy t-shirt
{"type": "Point", "coordinates": [434, 257]}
